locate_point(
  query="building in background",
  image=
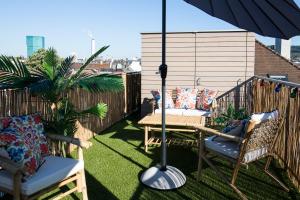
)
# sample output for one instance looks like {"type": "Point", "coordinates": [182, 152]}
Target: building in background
{"type": "Point", "coordinates": [216, 60]}
{"type": "Point", "coordinates": [34, 43]}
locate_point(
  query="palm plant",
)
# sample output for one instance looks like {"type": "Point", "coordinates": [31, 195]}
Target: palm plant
{"type": "Point", "coordinates": [52, 81]}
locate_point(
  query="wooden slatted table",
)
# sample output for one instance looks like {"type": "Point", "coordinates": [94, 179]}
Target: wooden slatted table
{"type": "Point", "coordinates": [186, 124]}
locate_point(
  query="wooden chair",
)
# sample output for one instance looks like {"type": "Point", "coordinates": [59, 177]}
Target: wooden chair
{"type": "Point", "coordinates": [239, 151]}
{"type": "Point", "coordinates": [57, 171]}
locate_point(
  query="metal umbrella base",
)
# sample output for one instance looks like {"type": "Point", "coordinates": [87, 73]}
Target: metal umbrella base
{"type": "Point", "coordinates": [168, 179]}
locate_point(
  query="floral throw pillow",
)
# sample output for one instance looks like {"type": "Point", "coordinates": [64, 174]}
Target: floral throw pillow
{"type": "Point", "coordinates": [14, 147]}
{"type": "Point", "coordinates": [4, 122]}
{"type": "Point", "coordinates": [32, 130]}
{"type": "Point", "coordinates": [186, 98]}
{"type": "Point", "coordinates": [157, 96]}
{"type": "Point", "coordinates": [205, 99]}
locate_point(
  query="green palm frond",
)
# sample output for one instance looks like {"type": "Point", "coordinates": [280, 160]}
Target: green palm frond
{"type": "Point", "coordinates": [51, 57]}
{"type": "Point", "coordinates": [65, 68]}
{"type": "Point", "coordinates": [99, 110]}
{"type": "Point", "coordinates": [14, 73]}
{"type": "Point", "coordinates": [101, 83]}
{"type": "Point", "coordinates": [89, 60]}
{"type": "Point", "coordinates": [50, 64]}
{"type": "Point", "coordinates": [13, 65]}
{"type": "Point", "coordinates": [48, 71]}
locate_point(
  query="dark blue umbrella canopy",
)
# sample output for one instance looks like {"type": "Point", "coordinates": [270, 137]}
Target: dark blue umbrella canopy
{"type": "Point", "coordinates": [273, 18]}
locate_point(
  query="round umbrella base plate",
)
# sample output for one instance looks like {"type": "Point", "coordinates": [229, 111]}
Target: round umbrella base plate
{"type": "Point", "coordinates": [168, 179]}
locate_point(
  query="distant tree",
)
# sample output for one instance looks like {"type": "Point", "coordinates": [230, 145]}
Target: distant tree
{"type": "Point", "coordinates": [36, 59]}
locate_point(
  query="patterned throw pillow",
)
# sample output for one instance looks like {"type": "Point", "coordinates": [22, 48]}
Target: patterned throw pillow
{"type": "Point", "coordinates": [4, 122]}
{"type": "Point", "coordinates": [32, 130]}
{"type": "Point", "coordinates": [157, 96]}
{"type": "Point", "coordinates": [14, 147]}
{"type": "Point", "coordinates": [205, 99]}
{"type": "Point", "coordinates": [186, 98]}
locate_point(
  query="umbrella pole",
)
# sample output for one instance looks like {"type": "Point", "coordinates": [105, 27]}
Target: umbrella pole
{"type": "Point", "coordinates": [163, 73]}
{"type": "Point", "coordinates": [163, 176]}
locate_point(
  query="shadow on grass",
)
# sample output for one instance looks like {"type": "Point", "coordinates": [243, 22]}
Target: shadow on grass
{"type": "Point", "coordinates": [119, 153]}
{"type": "Point", "coordinates": [253, 182]}
{"type": "Point", "coordinates": [96, 190]}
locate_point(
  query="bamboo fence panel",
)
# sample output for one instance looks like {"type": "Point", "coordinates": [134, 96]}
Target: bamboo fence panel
{"type": "Point", "coordinates": [19, 102]}
{"type": "Point", "coordinates": [260, 96]}
{"type": "Point", "coordinates": [288, 146]}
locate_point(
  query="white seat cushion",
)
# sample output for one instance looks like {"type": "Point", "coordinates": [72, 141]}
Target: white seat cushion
{"type": "Point", "coordinates": [227, 148]}
{"type": "Point", "coordinates": [185, 112]}
{"type": "Point", "coordinates": [195, 112]}
{"type": "Point", "coordinates": [231, 149]}
{"type": "Point", "coordinates": [171, 111]}
{"type": "Point", "coordinates": [255, 154]}
{"type": "Point", "coordinates": [52, 171]}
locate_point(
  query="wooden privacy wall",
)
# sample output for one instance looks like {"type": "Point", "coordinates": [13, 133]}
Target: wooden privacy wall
{"type": "Point", "coordinates": [18, 102]}
{"type": "Point", "coordinates": [217, 60]}
{"type": "Point", "coordinates": [258, 95]}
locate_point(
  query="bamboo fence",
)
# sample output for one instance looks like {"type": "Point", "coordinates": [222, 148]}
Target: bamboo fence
{"type": "Point", "coordinates": [19, 102]}
{"type": "Point", "coordinates": [258, 95]}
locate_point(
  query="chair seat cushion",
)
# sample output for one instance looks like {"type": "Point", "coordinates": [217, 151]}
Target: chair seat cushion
{"type": "Point", "coordinates": [227, 148]}
{"type": "Point", "coordinates": [185, 112]}
{"type": "Point", "coordinates": [231, 149]}
{"type": "Point", "coordinates": [54, 169]}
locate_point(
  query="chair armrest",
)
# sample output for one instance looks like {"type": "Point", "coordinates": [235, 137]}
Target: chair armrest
{"type": "Point", "coordinates": [10, 165]}
{"type": "Point", "coordinates": [75, 141]}
{"type": "Point", "coordinates": [218, 133]}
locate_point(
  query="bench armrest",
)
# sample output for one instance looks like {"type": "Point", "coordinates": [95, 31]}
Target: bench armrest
{"type": "Point", "coordinates": [218, 133]}
{"type": "Point", "coordinates": [71, 140]}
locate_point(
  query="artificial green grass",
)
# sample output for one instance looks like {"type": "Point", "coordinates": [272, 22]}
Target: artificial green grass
{"type": "Point", "coordinates": [116, 160]}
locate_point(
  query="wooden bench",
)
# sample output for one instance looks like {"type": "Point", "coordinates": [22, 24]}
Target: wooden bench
{"type": "Point", "coordinates": [154, 106]}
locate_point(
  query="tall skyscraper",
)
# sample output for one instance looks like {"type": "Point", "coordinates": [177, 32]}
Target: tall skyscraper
{"type": "Point", "coordinates": [34, 43]}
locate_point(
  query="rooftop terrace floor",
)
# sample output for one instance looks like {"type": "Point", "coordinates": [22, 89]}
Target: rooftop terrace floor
{"type": "Point", "coordinates": [116, 160]}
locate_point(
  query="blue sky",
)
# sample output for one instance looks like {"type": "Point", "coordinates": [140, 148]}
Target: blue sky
{"type": "Point", "coordinates": [118, 23]}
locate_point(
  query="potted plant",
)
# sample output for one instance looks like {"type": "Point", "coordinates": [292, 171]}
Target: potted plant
{"type": "Point", "coordinates": [231, 115]}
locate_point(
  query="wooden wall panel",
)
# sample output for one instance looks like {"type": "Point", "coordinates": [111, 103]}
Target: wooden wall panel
{"type": "Point", "coordinates": [215, 60]}
{"type": "Point", "coordinates": [223, 59]}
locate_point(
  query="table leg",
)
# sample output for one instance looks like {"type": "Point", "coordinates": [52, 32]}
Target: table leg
{"type": "Point", "coordinates": [146, 139]}
{"type": "Point", "coordinates": [200, 153]}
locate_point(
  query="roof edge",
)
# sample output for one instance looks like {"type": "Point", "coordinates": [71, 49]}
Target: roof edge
{"type": "Point", "coordinates": [206, 31]}
{"type": "Point", "coordinates": [274, 52]}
